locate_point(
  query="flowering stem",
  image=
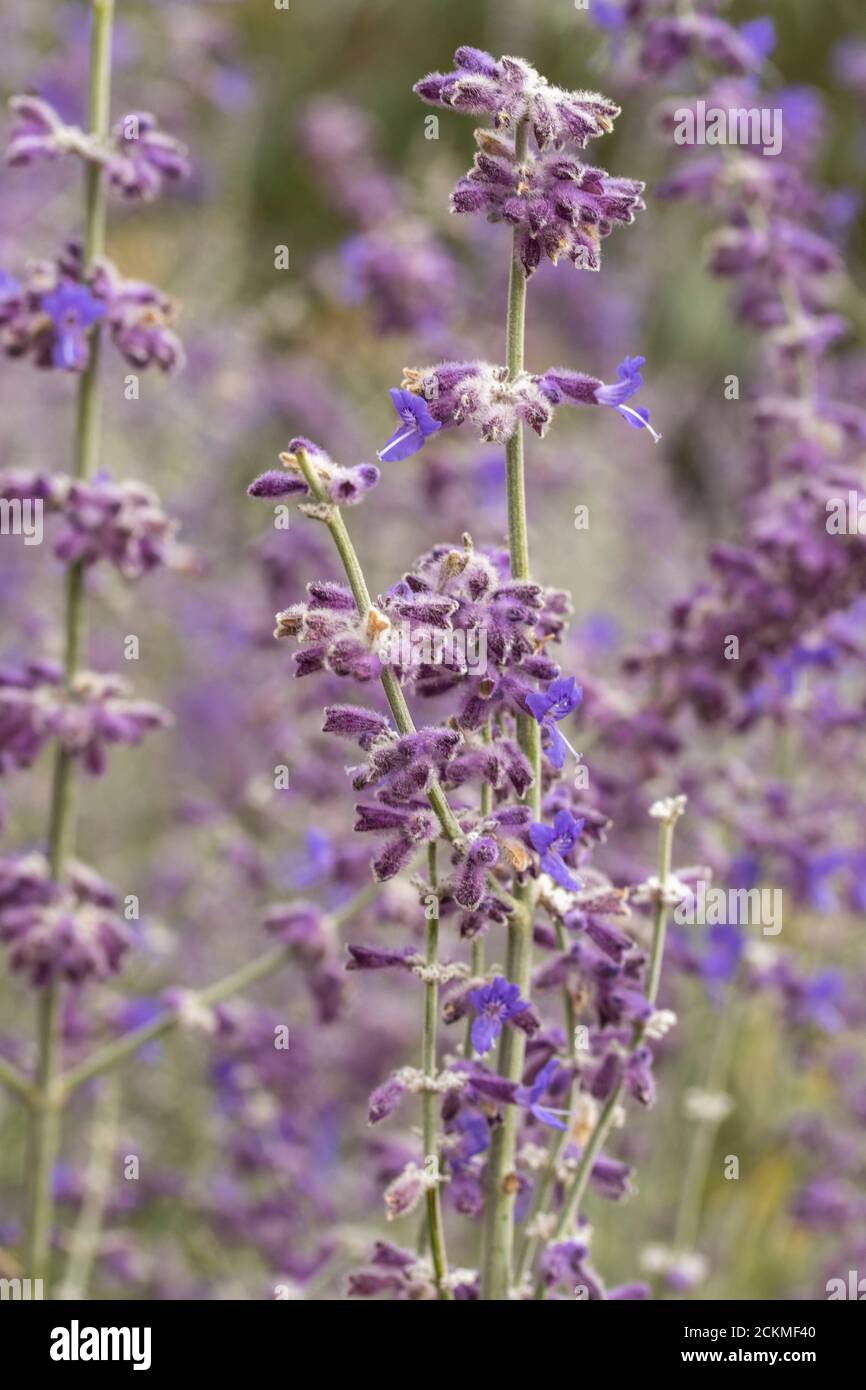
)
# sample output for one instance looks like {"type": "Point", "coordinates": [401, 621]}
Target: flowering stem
{"type": "Point", "coordinates": [16, 1081]}
{"type": "Point", "coordinates": [703, 1140]}
{"type": "Point", "coordinates": [497, 1241]}
{"type": "Point", "coordinates": [575, 1192]}
{"type": "Point", "coordinates": [45, 1126]}
{"type": "Point", "coordinates": [104, 1058]}
{"type": "Point", "coordinates": [476, 955]}
{"type": "Point", "coordinates": [84, 1242]}
{"type": "Point", "coordinates": [361, 594]}
{"type": "Point", "coordinates": [429, 1100]}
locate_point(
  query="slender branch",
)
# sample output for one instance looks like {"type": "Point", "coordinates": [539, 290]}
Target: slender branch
{"type": "Point", "coordinates": [357, 583]}
{"type": "Point", "coordinates": [497, 1240]}
{"type": "Point", "coordinates": [476, 953]}
{"type": "Point", "coordinates": [45, 1125]}
{"type": "Point", "coordinates": [16, 1081]}
{"type": "Point", "coordinates": [429, 1099]}
{"type": "Point", "coordinates": [691, 1201]}
{"type": "Point", "coordinates": [104, 1058]}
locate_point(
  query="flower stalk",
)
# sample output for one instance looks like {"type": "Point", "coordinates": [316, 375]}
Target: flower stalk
{"type": "Point", "coordinates": [577, 1188]}
{"type": "Point", "coordinates": [497, 1242]}
{"type": "Point", "coordinates": [46, 1119]}
{"type": "Point", "coordinates": [432, 1153]}
{"type": "Point", "coordinates": [259, 968]}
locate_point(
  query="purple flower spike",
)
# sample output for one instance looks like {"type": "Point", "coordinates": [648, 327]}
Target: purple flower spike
{"type": "Point", "coordinates": [416, 426]}
{"type": "Point", "coordinates": [552, 842]}
{"type": "Point", "coordinates": [72, 309]}
{"type": "Point", "coordinates": [556, 703]}
{"type": "Point", "coordinates": [628, 383]}
{"type": "Point", "coordinates": [496, 1003]}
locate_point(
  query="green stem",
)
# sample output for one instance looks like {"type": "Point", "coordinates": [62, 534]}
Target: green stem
{"type": "Point", "coordinates": [703, 1140]}
{"type": "Point", "coordinates": [16, 1081]}
{"type": "Point", "coordinates": [497, 1238]}
{"type": "Point", "coordinates": [45, 1125]}
{"type": "Point", "coordinates": [84, 1242]}
{"type": "Point", "coordinates": [476, 954]}
{"type": "Point", "coordinates": [429, 1100]}
{"type": "Point", "coordinates": [580, 1180]}
{"type": "Point", "coordinates": [104, 1058]}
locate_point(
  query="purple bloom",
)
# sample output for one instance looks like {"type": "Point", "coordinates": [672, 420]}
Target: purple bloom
{"type": "Point", "coordinates": [70, 932]}
{"type": "Point", "coordinates": [559, 206]}
{"type": "Point", "coordinates": [607, 14]}
{"type": "Point", "coordinates": [416, 426]}
{"type": "Point", "coordinates": [760, 35]}
{"type": "Point", "coordinates": [553, 842]}
{"type": "Point", "coordinates": [556, 703]}
{"type": "Point", "coordinates": [530, 1096]}
{"type": "Point", "coordinates": [72, 309]}
{"type": "Point", "coordinates": [496, 1004]}
{"type": "Point", "coordinates": [144, 157]}
{"type": "Point", "coordinates": [510, 90]}
{"type": "Point", "coordinates": [628, 383]}
{"type": "Point", "coordinates": [38, 132]}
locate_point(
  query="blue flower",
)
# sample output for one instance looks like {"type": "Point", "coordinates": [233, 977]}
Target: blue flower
{"type": "Point", "coordinates": [416, 425]}
{"type": "Point", "coordinates": [629, 381]}
{"type": "Point", "coordinates": [72, 309]}
{"type": "Point", "coordinates": [495, 1003]}
{"type": "Point", "coordinates": [556, 703]}
{"type": "Point", "coordinates": [721, 960]}
{"type": "Point", "coordinates": [552, 842]}
{"type": "Point", "coordinates": [760, 35]}
{"type": "Point", "coordinates": [608, 15]}
{"type": "Point", "coordinates": [531, 1095]}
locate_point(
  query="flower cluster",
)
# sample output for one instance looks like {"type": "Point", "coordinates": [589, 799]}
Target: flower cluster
{"type": "Point", "coordinates": [345, 486]}
{"type": "Point", "coordinates": [511, 91]}
{"type": "Point", "coordinates": [49, 314]}
{"type": "Point", "coordinates": [94, 712]}
{"type": "Point", "coordinates": [138, 158]}
{"type": "Point", "coordinates": [392, 263]}
{"type": "Point", "coordinates": [70, 932]}
{"type": "Point", "coordinates": [494, 403]}
{"type": "Point", "coordinates": [560, 206]}
{"type": "Point", "coordinates": [122, 523]}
